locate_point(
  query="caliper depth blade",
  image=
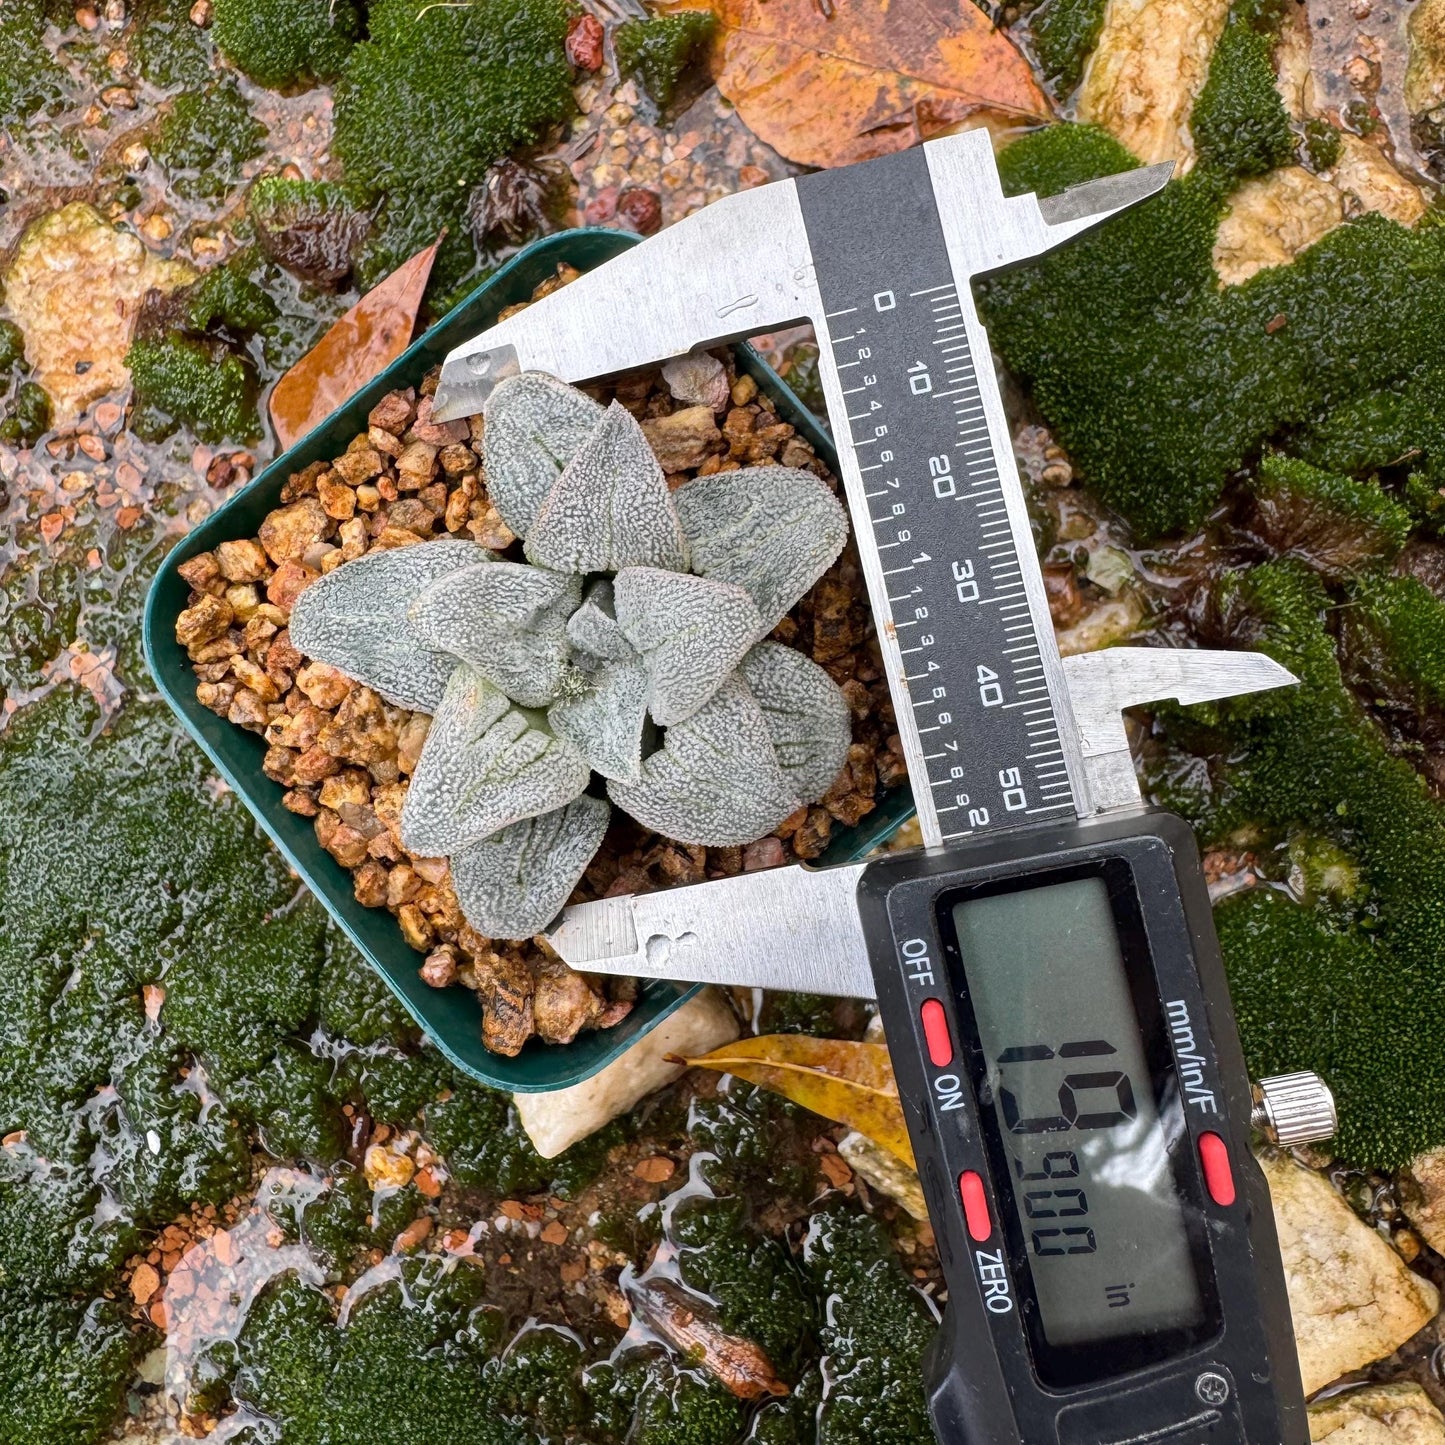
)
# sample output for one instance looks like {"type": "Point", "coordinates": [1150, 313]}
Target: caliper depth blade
{"type": "Point", "coordinates": [790, 928]}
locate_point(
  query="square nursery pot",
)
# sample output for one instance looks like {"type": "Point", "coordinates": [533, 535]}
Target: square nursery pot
{"type": "Point", "coordinates": [450, 1016]}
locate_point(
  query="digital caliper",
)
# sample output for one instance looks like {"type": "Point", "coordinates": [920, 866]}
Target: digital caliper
{"type": "Point", "coordinates": [1046, 968]}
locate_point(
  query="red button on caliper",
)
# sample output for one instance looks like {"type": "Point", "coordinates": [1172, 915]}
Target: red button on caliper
{"type": "Point", "coordinates": [935, 1033]}
{"type": "Point", "coordinates": [975, 1206]}
{"type": "Point", "coordinates": [1218, 1175]}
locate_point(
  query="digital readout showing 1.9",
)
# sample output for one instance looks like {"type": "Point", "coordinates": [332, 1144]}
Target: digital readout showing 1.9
{"type": "Point", "coordinates": [1090, 1178]}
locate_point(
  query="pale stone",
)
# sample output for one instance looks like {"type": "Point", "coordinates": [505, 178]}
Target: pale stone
{"type": "Point", "coordinates": [74, 288]}
{"type": "Point", "coordinates": [1352, 1297]}
{"type": "Point", "coordinates": [1272, 219]}
{"type": "Point", "coordinates": [1294, 75]}
{"type": "Point", "coordinates": [884, 1171]}
{"type": "Point", "coordinates": [1399, 1414]}
{"type": "Point", "coordinates": [1106, 624]}
{"type": "Point", "coordinates": [1423, 1191]}
{"type": "Point", "coordinates": [558, 1119]}
{"type": "Point", "coordinates": [1364, 172]}
{"type": "Point", "coordinates": [1425, 74]}
{"type": "Point", "coordinates": [1150, 63]}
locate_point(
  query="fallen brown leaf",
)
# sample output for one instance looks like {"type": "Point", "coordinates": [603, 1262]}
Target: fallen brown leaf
{"type": "Point", "coordinates": [687, 1322]}
{"type": "Point", "coordinates": [827, 84]}
{"type": "Point", "coordinates": [850, 1083]}
{"type": "Point", "coordinates": [364, 342]}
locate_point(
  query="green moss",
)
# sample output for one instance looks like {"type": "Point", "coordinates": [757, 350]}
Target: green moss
{"type": "Point", "coordinates": [759, 1291]}
{"type": "Point", "coordinates": [204, 140]}
{"type": "Point", "coordinates": [30, 80]}
{"type": "Point", "coordinates": [27, 418]}
{"type": "Point", "coordinates": [873, 1335]}
{"type": "Point", "coordinates": [1334, 522]}
{"type": "Point", "coordinates": [537, 1383]}
{"type": "Point", "coordinates": [1402, 623]}
{"type": "Point", "coordinates": [1319, 146]}
{"type": "Point", "coordinates": [63, 1369]}
{"type": "Point", "coordinates": [1350, 990]}
{"type": "Point", "coordinates": [658, 51]}
{"type": "Point", "coordinates": [227, 297]}
{"type": "Point", "coordinates": [182, 381]}
{"type": "Point", "coordinates": [1239, 122]}
{"type": "Point", "coordinates": [286, 44]}
{"type": "Point", "coordinates": [1162, 385]}
{"type": "Point", "coordinates": [12, 348]}
{"type": "Point", "coordinates": [488, 77]}
{"type": "Point", "coordinates": [406, 1366]}
{"type": "Point", "coordinates": [1065, 33]}
{"type": "Point", "coordinates": [172, 51]}
{"type": "Point", "coordinates": [649, 1399]}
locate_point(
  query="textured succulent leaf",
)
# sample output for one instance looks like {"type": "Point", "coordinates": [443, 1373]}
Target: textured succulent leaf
{"type": "Point", "coordinates": [593, 628]}
{"type": "Point", "coordinates": [534, 424]}
{"type": "Point", "coordinates": [691, 631]}
{"type": "Point", "coordinates": [807, 717]}
{"type": "Point", "coordinates": [355, 619]}
{"type": "Point", "coordinates": [485, 766]}
{"type": "Point", "coordinates": [716, 780]}
{"type": "Point", "coordinates": [508, 620]}
{"type": "Point", "coordinates": [605, 723]}
{"type": "Point", "coordinates": [514, 884]}
{"type": "Point", "coordinates": [610, 508]}
{"type": "Point", "coordinates": [771, 530]}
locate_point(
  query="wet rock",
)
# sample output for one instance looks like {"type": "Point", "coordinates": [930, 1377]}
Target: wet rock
{"type": "Point", "coordinates": [74, 287]}
{"type": "Point", "coordinates": [640, 209]}
{"type": "Point", "coordinates": [1425, 73]}
{"type": "Point", "coordinates": [884, 1171]}
{"type": "Point", "coordinates": [1272, 219]}
{"type": "Point", "coordinates": [584, 42]}
{"type": "Point", "coordinates": [1364, 172]}
{"type": "Point", "coordinates": [1399, 1414]}
{"type": "Point", "coordinates": [555, 1120]}
{"type": "Point", "coordinates": [312, 228]}
{"type": "Point", "coordinates": [1149, 65]}
{"type": "Point", "coordinates": [1352, 1297]}
{"type": "Point", "coordinates": [1423, 1196]}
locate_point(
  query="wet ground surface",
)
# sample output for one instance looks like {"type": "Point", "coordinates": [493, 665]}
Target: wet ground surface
{"type": "Point", "coordinates": [87, 510]}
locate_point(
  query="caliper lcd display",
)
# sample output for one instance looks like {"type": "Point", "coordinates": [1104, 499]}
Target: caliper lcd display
{"type": "Point", "coordinates": [1084, 1116]}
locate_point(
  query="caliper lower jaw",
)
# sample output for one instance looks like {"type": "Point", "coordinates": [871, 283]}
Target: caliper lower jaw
{"type": "Point", "coordinates": [1102, 684]}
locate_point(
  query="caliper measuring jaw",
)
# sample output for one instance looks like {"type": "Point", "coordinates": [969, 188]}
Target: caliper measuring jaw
{"type": "Point", "coordinates": [761, 260]}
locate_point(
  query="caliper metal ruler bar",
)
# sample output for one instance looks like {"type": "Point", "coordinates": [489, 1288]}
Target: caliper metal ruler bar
{"type": "Point", "coordinates": [999, 731]}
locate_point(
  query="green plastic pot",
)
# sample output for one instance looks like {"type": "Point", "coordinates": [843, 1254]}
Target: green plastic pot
{"type": "Point", "coordinates": [451, 1016]}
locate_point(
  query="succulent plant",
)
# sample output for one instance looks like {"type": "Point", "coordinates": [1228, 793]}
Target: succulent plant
{"type": "Point", "coordinates": [601, 654]}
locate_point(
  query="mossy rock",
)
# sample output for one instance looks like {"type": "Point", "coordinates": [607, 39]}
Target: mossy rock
{"type": "Point", "coordinates": [658, 52]}
{"type": "Point", "coordinates": [489, 77]}
{"type": "Point", "coordinates": [286, 44]}
{"type": "Point", "coordinates": [1162, 385]}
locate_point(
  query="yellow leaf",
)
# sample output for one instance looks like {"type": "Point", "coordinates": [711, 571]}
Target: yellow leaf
{"type": "Point", "coordinates": [830, 82]}
{"type": "Point", "coordinates": [850, 1083]}
{"type": "Point", "coordinates": [359, 346]}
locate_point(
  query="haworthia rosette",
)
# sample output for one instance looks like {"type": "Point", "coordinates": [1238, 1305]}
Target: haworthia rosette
{"type": "Point", "coordinates": [605, 724]}
{"type": "Point", "coordinates": [807, 717]}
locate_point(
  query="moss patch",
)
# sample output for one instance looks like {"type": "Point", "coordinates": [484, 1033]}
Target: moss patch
{"type": "Point", "coordinates": [1162, 385]}
{"type": "Point", "coordinates": [205, 139]}
{"type": "Point", "coordinates": [488, 77]}
{"type": "Point", "coordinates": [286, 44]}
{"type": "Point", "coordinates": [658, 51]}
{"type": "Point", "coordinates": [1064, 34]}
{"type": "Point", "coordinates": [30, 80]}
{"type": "Point", "coordinates": [1239, 123]}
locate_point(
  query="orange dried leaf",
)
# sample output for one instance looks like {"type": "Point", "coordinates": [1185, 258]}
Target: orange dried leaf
{"type": "Point", "coordinates": [359, 346]}
{"type": "Point", "coordinates": [850, 1083]}
{"type": "Point", "coordinates": [827, 84]}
